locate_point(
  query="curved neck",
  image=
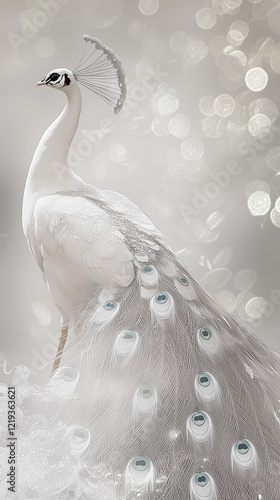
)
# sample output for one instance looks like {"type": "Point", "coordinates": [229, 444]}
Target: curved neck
{"type": "Point", "coordinates": [49, 171]}
{"type": "Point", "coordinates": [51, 155]}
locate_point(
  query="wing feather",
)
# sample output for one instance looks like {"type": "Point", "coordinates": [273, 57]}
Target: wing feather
{"type": "Point", "coordinates": [82, 234]}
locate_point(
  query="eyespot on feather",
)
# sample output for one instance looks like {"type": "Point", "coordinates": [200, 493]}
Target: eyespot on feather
{"type": "Point", "coordinates": [106, 312]}
{"type": "Point", "coordinates": [162, 306]}
{"type": "Point", "coordinates": [148, 276]}
{"type": "Point", "coordinates": [199, 427]}
{"type": "Point", "coordinates": [79, 439]}
{"type": "Point", "coordinates": [185, 287]}
{"type": "Point", "coordinates": [145, 402]}
{"type": "Point", "coordinates": [139, 475]}
{"type": "Point", "coordinates": [125, 346]}
{"type": "Point", "coordinates": [64, 381]}
{"type": "Point", "coordinates": [206, 388]}
{"type": "Point", "coordinates": [244, 456]}
{"type": "Point", "coordinates": [202, 487]}
{"type": "Point", "coordinates": [208, 340]}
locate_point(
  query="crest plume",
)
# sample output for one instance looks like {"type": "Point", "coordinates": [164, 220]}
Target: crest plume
{"type": "Point", "coordinates": [101, 72]}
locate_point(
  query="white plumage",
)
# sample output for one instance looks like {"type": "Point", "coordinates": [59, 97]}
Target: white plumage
{"type": "Point", "coordinates": [163, 395]}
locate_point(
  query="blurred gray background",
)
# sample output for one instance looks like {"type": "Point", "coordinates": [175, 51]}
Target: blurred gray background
{"type": "Point", "coordinates": [196, 146]}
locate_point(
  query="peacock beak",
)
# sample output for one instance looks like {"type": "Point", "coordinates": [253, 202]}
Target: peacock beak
{"type": "Point", "coordinates": [41, 82]}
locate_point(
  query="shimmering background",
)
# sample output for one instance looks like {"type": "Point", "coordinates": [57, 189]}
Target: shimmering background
{"type": "Point", "coordinates": [196, 146]}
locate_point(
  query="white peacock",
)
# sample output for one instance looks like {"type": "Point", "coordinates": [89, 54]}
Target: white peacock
{"type": "Point", "coordinates": [159, 386]}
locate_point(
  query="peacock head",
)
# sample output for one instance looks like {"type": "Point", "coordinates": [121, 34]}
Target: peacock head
{"type": "Point", "coordinates": [99, 70]}
{"type": "Point", "coordinates": [57, 78]}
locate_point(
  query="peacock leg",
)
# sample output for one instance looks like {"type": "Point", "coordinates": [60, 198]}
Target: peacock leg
{"type": "Point", "coordinates": [62, 342]}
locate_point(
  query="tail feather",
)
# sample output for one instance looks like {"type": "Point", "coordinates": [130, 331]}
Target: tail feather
{"type": "Point", "coordinates": [180, 400]}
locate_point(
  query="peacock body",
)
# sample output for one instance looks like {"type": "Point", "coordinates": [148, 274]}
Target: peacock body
{"type": "Point", "coordinates": [167, 396]}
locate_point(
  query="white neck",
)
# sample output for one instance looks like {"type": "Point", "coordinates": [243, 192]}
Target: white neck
{"type": "Point", "coordinates": [54, 145]}
{"type": "Point", "coordinates": [49, 171]}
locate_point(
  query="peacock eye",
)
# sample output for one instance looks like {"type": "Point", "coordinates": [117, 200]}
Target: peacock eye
{"type": "Point", "coordinates": [242, 447]}
{"type": "Point", "coordinates": [201, 479]}
{"type": "Point", "coordinates": [79, 434]}
{"type": "Point", "coordinates": [148, 269]}
{"type": "Point", "coordinates": [128, 335]}
{"type": "Point", "coordinates": [147, 392]}
{"type": "Point", "coordinates": [205, 334]}
{"type": "Point", "coordinates": [110, 305]}
{"type": "Point", "coordinates": [162, 297]}
{"type": "Point", "coordinates": [204, 379]}
{"type": "Point", "coordinates": [184, 280]}
{"type": "Point", "coordinates": [140, 463]}
{"type": "Point", "coordinates": [198, 418]}
{"type": "Point", "coordinates": [79, 439]}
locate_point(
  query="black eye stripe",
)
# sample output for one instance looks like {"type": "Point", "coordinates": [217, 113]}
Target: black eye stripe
{"type": "Point", "coordinates": [54, 78]}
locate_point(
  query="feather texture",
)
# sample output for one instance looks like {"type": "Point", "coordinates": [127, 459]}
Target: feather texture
{"type": "Point", "coordinates": [180, 390]}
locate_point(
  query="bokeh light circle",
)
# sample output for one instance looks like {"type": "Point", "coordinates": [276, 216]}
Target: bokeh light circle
{"type": "Point", "coordinates": [259, 203]}
{"type": "Point", "coordinates": [148, 7]}
{"type": "Point", "coordinates": [274, 20]}
{"type": "Point", "coordinates": [255, 307]}
{"type": "Point", "coordinates": [206, 18]}
{"type": "Point", "coordinates": [259, 125]}
{"type": "Point", "coordinates": [224, 105]}
{"type": "Point", "coordinates": [275, 217]}
{"type": "Point", "coordinates": [256, 79]}
{"type": "Point", "coordinates": [238, 31]}
{"type": "Point", "coordinates": [206, 105]}
{"type": "Point", "coordinates": [233, 4]}
{"type": "Point", "coordinates": [277, 205]}
{"type": "Point", "coordinates": [165, 104]}
{"type": "Point", "coordinates": [179, 126]}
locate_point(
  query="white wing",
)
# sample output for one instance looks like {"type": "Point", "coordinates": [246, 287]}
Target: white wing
{"type": "Point", "coordinates": [81, 241]}
{"type": "Point", "coordinates": [77, 246]}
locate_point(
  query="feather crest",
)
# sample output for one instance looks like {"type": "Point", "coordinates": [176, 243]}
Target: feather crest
{"type": "Point", "coordinates": [101, 72]}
